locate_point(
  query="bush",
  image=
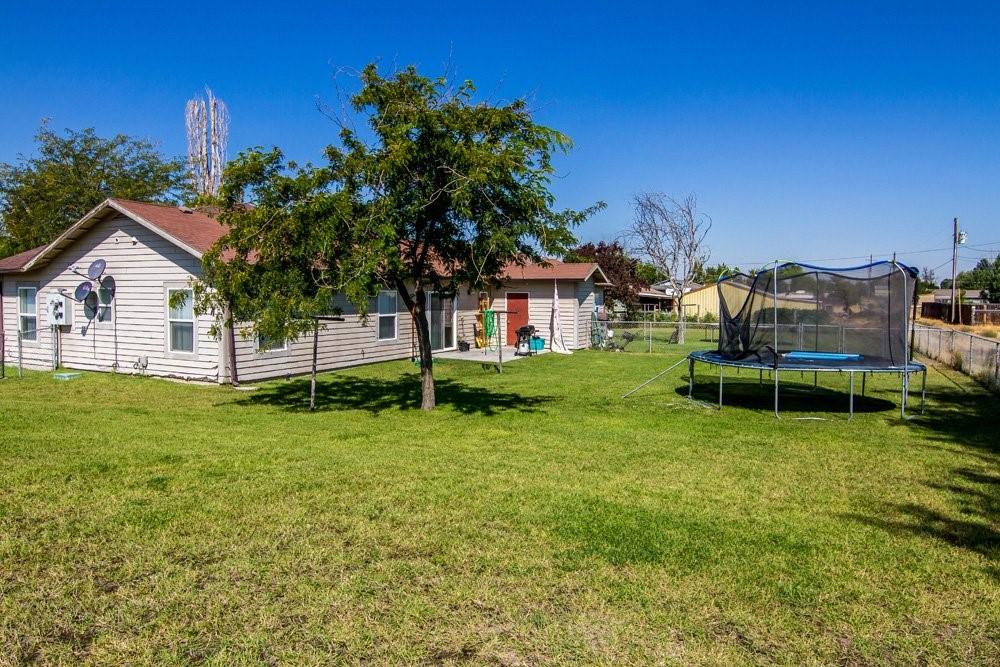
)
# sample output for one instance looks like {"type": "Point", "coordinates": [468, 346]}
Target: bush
{"type": "Point", "coordinates": [958, 361]}
{"type": "Point", "coordinates": [709, 318]}
{"type": "Point", "coordinates": [990, 333]}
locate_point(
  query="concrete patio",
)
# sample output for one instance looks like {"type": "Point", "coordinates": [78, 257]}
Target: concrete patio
{"type": "Point", "coordinates": [483, 356]}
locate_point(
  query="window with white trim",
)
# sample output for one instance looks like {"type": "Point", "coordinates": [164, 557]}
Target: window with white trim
{"type": "Point", "coordinates": [180, 321]}
{"type": "Point", "coordinates": [387, 316]}
{"type": "Point", "coordinates": [267, 344]}
{"type": "Point", "coordinates": [27, 312]}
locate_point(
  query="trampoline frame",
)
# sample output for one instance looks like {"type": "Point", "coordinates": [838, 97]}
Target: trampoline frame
{"type": "Point", "coordinates": [706, 356]}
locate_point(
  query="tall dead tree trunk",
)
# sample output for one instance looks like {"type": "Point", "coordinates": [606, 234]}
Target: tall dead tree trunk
{"type": "Point", "coordinates": [670, 234]}
{"type": "Point", "coordinates": [207, 137]}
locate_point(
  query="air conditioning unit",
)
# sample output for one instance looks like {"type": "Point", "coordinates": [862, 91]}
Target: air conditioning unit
{"type": "Point", "coordinates": [59, 310]}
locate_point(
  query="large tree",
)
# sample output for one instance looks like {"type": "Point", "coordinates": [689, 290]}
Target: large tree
{"type": "Point", "coordinates": [41, 196]}
{"type": "Point", "coordinates": [670, 234]}
{"type": "Point", "coordinates": [438, 190]}
{"type": "Point", "coordinates": [621, 269]}
{"type": "Point", "coordinates": [985, 276]}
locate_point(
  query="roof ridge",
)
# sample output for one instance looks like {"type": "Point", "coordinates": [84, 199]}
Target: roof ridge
{"type": "Point", "coordinates": [146, 203]}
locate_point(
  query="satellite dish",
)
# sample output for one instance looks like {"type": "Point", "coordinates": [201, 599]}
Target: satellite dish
{"type": "Point", "coordinates": [90, 305]}
{"type": "Point", "coordinates": [82, 290]}
{"type": "Point", "coordinates": [107, 290]}
{"type": "Point", "coordinates": [96, 269]}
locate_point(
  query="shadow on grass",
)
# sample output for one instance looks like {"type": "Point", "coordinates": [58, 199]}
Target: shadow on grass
{"type": "Point", "coordinates": [794, 397]}
{"type": "Point", "coordinates": [972, 526]}
{"type": "Point", "coordinates": [343, 392]}
{"type": "Point", "coordinates": [966, 421]}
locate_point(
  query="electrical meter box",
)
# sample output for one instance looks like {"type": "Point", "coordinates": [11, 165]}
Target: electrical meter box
{"type": "Point", "coordinates": [59, 309]}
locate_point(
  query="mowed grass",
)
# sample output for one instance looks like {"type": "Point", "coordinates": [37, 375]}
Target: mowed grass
{"type": "Point", "coordinates": [533, 518]}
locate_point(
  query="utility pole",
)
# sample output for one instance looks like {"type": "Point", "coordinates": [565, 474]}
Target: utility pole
{"type": "Point", "coordinates": [954, 267]}
{"type": "Point", "coordinates": [957, 239]}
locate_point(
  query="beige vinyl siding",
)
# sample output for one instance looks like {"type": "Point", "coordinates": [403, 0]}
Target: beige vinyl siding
{"type": "Point", "coordinates": [585, 299]}
{"type": "Point", "coordinates": [341, 344]}
{"type": "Point", "coordinates": [540, 307]}
{"type": "Point", "coordinates": [142, 263]}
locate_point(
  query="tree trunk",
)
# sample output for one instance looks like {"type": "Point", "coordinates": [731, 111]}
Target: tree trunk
{"type": "Point", "coordinates": [681, 323]}
{"type": "Point", "coordinates": [418, 310]}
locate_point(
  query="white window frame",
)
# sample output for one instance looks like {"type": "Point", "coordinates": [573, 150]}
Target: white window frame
{"type": "Point", "coordinates": [20, 315]}
{"type": "Point", "coordinates": [168, 289]}
{"type": "Point", "coordinates": [261, 351]}
{"type": "Point", "coordinates": [394, 315]}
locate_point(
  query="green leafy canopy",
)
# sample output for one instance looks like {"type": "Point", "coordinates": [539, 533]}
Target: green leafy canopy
{"type": "Point", "coordinates": [72, 173]}
{"type": "Point", "coordinates": [438, 191]}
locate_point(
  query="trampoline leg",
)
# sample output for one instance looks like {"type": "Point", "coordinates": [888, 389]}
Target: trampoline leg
{"type": "Point", "coordinates": [815, 379]}
{"type": "Point", "coordinates": [902, 399]}
{"type": "Point", "coordinates": [776, 394]}
{"type": "Point", "coordinates": [851, 416]}
{"type": "Point", "coordinates": [721, 368]}
{"type": "Point", "coordinates": [690, 378]}
{"type": "Point", "coordinates": [864, 379]}
{"type": "Point", "coordinates": [923, 392]}
{"type": "Point", "coordinates": [760, 380]}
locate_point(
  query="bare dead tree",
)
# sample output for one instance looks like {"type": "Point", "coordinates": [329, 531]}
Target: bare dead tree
{"type": "Point", "coordinates": [669, 233]}
{"type": "Point", "coordinates": [207, 124]}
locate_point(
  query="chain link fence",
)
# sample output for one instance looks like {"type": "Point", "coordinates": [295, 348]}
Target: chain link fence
{"type": "Point", "coordinates": [651, 336]}
{"type": "Point", "coordinates": [976, 356]}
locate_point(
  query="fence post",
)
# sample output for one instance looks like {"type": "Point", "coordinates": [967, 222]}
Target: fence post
{"type": "Point", "coordinates": [996, 366]}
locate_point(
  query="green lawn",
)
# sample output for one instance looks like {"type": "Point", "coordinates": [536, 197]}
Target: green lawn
{"type": "Point", "coordinates": [534, 518]}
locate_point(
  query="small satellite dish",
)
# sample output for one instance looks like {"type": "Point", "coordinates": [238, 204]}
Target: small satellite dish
{"type": "Point", "coordinates": [90, 305]}
{"type": "Point", "coordinates": [107, 290]}
{"type": "Point", "coordinates": [96, 269]}
{"type": "Point", "coordinates": [82, 290]}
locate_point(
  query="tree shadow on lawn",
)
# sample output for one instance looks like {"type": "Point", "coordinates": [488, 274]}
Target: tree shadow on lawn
{"type": "Point", "coordinates": [969, 420]}
{"type": "Point", "coordinates": [793, 397]}
{"type": "Point", "coordinates": [374, 395]}
{"type": "Point", "coordinates": [972, 526]}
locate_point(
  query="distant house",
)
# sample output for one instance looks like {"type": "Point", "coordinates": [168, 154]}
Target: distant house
{"type": "Point", "coordinates": [154, 251]}
{"type": "Point", "coordinates": [661, 298]}
{"type": "Point", "coordinates": [969, 296]}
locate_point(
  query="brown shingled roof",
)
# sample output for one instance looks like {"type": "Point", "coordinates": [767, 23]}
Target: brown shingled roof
{"type": "Point", "coordinates": [15, 263]}
{"type": "Point", "coordinates": [193, 228]}
{"type": "Point", "coordinates": [556, 270]}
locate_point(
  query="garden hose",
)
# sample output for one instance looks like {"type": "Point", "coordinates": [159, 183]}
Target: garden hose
{"type": "Point", "coordinates": [490, 328]}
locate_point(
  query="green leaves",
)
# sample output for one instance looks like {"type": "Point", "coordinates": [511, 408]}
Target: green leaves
{"type": "Point", "coordinates": [72, 173]}
{"type": "Point", "coordinates": [438, 191]}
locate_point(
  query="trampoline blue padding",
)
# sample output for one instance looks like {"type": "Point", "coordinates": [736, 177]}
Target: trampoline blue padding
{"type": "Point", "coordinates": [833, 362]}
{"type": "Point", "coordinates": [823, 356]}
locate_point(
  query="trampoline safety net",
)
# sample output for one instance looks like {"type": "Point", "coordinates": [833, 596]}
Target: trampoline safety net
{"type": "Point", "coordinates": [797, 307]}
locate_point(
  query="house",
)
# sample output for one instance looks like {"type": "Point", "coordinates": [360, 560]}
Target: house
{"type": "Point", "coordinates": [967, 296]}
{"type": "Point", "coordinates": [661, 297]}
{"type": "Point", "coordinates": [153, 251]}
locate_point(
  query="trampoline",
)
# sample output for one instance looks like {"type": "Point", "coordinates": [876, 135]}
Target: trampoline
{"type": "Point", "coordinates": [799, 317]}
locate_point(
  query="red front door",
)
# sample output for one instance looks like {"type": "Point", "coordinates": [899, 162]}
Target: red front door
{"type": "Point", "coordinates": [516, 301]}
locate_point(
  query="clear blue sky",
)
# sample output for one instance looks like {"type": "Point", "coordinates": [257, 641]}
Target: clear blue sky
{"type": "Point", "coordinates": [807, 133]}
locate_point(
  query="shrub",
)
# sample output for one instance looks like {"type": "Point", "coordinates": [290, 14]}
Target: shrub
{"type": "Point", "coordinates": [957, 361]}
{"type": "Point", "coordinates": [990, 333]}
{"type": "Point", "coordinates": [709, 318]}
